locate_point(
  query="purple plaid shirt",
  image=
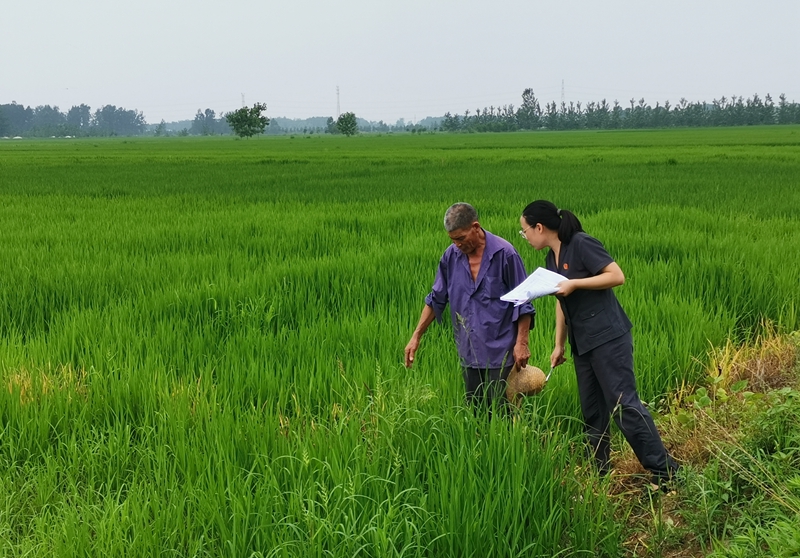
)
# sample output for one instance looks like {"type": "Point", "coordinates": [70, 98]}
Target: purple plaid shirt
{"type": "Point", "coordinates": [484, 326]}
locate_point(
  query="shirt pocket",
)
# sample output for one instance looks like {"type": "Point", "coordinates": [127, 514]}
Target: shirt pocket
{"type": "Point", "coordinates": [495, 288]}
{"type": "Point", "coordinates": [595, 321]}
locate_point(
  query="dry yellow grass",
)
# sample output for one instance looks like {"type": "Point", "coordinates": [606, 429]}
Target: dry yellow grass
{"type": "Point", "coordinates": [31, 385]}
{"type": "Point", "coordinates": [768, 363]}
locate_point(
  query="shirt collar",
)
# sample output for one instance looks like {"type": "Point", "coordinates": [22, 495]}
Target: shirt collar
{"type": "Point", "coordinates": [493, 244]}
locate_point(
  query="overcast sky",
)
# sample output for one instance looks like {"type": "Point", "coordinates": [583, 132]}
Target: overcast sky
{"type": "Point", "coordinates": [390, 58]}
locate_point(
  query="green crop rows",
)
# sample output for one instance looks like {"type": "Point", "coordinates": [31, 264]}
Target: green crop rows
{"type": "Point", "coordinates": [201, 340]}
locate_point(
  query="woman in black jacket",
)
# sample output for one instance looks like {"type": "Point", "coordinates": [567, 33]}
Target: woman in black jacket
{"type": "Point", "coordinates": [599, 335]}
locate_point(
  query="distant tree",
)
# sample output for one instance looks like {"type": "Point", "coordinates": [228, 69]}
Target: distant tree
{"type": "Point", "coordinates": [785, 111]}
{"type": "Point", "coordinates": [330, 126]}
{"type": "Point", "coordinates": [529, 114]}
{"type": "Point", "coordinates": [205, 123]}
{"type": "Point", "coordinates": [346, 124]}
{"type": "Point", "coordinates": [247, 122]}
{"type": "Point", "coordinates": [161, 129]}
{"type": "Point", "coordinates": [596, 115]}
{"type": "Point", "coordinates": [79, 119]}
{"type": "Point", "coordinates": [551, 117]}
{"type": "Point", "coordinates": [116, 121]}
{"type": "Point", "coordinates": [769, 113]}
{"type": "Point", "coordinates": [274, 129]}
{"type": "Point", "coordinates": [48, 121]}
{"type": "Point", "coordinates": [18, 119]}
{"type": "Point", "coordinates": [451, 123]}
{"type": "Point", "coordinates": [667, 114]}
{"type": "Point", "coordinates": [571, 115]}
{"type": "Point", "coordinates": [615, 120]}
{"type": "Point", "coordinates": [198, 124]}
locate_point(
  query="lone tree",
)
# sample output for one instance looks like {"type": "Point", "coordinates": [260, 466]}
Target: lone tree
{"type": "Point", "coordinates": [330, 126]}
{"type": "Point", "coordinates": [346, 124]}
{"type": "Point", "coordinates": [247, 122]}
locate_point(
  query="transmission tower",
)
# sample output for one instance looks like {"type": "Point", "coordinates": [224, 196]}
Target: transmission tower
{"type": "Point", "coordinates": [562, 91]}
{"type": "Point", "coordinates": [243, 105]}
{"type": "Point", "coordinates": [337, 103]}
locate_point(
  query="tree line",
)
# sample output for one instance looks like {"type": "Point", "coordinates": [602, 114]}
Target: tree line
{"type": "Point", "coordinates": [733, 111]}
{"type": "Point", "coordinates": [110, 120]}
{"type": "Point", "coordinates": [46, 121]}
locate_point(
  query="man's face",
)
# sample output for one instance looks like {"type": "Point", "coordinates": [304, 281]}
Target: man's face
{"type": "Point", "coordinates": [466, 239]}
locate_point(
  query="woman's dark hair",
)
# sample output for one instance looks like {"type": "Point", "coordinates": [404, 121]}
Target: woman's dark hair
{"type": "Point", "coordinates": [546, 213]}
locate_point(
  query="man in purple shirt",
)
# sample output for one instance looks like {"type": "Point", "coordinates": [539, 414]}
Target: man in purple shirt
{"type": "Point", "coordinates": [491, 335]}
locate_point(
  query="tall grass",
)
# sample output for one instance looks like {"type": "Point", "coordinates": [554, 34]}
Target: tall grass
{"type": "Point", "coordinates": [201, 340]}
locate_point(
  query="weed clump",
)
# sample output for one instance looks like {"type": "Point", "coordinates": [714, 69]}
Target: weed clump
{"type": "Point", "coordinates": [738, 440]}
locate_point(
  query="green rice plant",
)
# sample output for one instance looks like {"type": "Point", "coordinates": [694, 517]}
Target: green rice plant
{"type": "Point", "coordinates": [201, 340]}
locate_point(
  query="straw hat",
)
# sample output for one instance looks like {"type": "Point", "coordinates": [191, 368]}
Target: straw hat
{"type": "Point", "coordinates": [528, 381]}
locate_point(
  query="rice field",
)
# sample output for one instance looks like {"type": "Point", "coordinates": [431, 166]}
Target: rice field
{"type": "Point", "coordinates": [201, 339]}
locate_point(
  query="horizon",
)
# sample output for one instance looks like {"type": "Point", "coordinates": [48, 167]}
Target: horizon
{"type": "Point", "coordinates": [221, 114]}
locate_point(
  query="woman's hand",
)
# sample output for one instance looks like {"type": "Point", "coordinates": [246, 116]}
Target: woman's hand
{"type": "Point", "coordinates": [566, 288]}
{"type": "Point", "coordinates": [557, 357]}
{"type": "Point", "coordinates": [609, 277]}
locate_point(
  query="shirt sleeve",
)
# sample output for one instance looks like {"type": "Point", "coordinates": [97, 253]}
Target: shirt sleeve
{"type": "Point", "coordinates": [593, 255]}
{"type": "Point", "coordinates": [437, 299]}
{"type": "Point", "coordinates": [514, 274]}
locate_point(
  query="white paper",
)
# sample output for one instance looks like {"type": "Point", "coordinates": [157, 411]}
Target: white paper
{"type": "Point", "coordinates": [541, 282]}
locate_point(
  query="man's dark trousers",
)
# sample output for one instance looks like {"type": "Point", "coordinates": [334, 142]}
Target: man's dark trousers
{"type": "Point", "coordinates": [486, 388]}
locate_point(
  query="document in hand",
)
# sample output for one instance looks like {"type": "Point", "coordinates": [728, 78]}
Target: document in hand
{"type": "Point", "coordinates": [541, 282]}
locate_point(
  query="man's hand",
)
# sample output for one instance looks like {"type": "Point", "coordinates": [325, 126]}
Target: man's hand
{"type": "Point", "coordinates": [557, 357]}
{"type": "Point", "coordinates": [425, 319]}
{"type": "Point", "coordinates": [521, 355]}
{"type": "Point", "coordinates": [411, 350]}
